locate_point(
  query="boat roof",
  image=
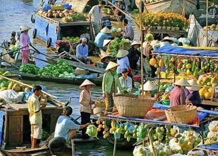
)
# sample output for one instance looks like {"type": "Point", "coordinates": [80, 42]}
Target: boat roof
{"type": "Point", "coordinates": [61, 23]}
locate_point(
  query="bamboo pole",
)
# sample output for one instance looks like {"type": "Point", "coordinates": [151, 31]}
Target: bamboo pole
{"type": "Point", "coordinates": [151, 143]}
{"type": "Point", "coordinates": [73, 150]}
{"type": "Point", "coordinates": [207, 23]}
{"type": "Point", "coordinates": [183, 10]}
{"type": "Point", "coordinates": [115, 145]}
{"type": "Point", "coordinates": [142, 75]}
{"type": "Point", "coordinates": [24, 84]}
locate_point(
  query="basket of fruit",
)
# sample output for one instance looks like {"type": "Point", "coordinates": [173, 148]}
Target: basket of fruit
{"type": "Point", "coordinates": [181, 113]}
{"type": "Point", "coordinates": [133, 106]}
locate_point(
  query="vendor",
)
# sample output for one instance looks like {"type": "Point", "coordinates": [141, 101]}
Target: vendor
{"type": "Point", "coordinates": [128, 32]}
{"type": "Point", "coordinates": [86, 102]}
{"type": "Point", "coordinates": [177, 94]}
{"type": "Point", "coordinates": [126, 81]}
{"type": "Point", "coordinates": [24, 43]}
{"type": "Point", "coordinates": [134, 54]}
{"type": "Point", "coordinates": [95, 16]}
{"type": "Point", "coordinates": [122, 61]}
{"type": "Point", "coordinates": [109, 84]}
{"type": "Point", "coordinates": [193, 95]}
{"type": "Point", "coordinates": [82, 50]}
{"type": "Point", "coordinates": [65, 127]}
{"type": "Point", "coordinates": [99, 39]}
{"type": "Point", "coordinates": [13, 38]}
{"type": "Point", "coordinates": [149, 87]}
{"type": "Point", "coordinates": [105, 59]}
{"type": "Point", "coordinates": [121, 5]}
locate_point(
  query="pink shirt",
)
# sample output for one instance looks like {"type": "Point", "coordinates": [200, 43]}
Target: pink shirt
{"type": "Point", "coordinates": [177, 96]}
{"type": "Point", "coordinates": [24, 41]}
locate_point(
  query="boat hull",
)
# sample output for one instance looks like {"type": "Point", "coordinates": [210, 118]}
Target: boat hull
{"type": "Point", "coordinates": [175, 6]}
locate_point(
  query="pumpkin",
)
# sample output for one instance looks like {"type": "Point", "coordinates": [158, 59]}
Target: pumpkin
{"type": "Point", "coordinates": [153, 61]}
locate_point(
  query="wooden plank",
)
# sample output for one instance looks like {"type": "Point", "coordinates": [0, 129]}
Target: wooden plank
{"type": "Point", "coordinates": [15, 130]}
{"type": "Point", "coordinates": [210, 103]}
{"type": "Point", "coordinates": [24, 106]}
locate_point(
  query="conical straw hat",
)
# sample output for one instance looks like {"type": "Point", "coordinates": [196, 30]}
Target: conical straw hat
{"type": "Point", "coordinates": [135, 43]}
{"type": "Point", "coordinates": [111, 65]}
{"type": "Point", "coordinates": [194, 86]}
{"type": "Point", "coordinates": [182, 82]}
{"type": "Point", "coordinates": [105, 30]}
{"type": "Point", "coordinates": [24, 28]}
{"type": "Point", "coordinates": [106, 42]}
{"type": "Point", "coordinates": [122, 53]}
{"type": "Point", "coordinates": [85, 83]}
{"type": "Point", "coordinates": [149, 86]}
{"type": "Point", "coordinates": [104, 55]}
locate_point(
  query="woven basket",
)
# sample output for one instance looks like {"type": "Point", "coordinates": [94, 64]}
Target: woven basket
{"type": "Point", "coordinates": [181, 113]}
{"type": "Point", "coordinates": [133, 106]}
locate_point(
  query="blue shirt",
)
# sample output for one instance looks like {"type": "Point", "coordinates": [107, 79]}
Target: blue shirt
{"type": "Point", "coordinates": [63, 126]}
{"type": "Point", "coordinates": [99, 39]}
{"type": "Point", "coordinates": [123, 64]}
{"type": "Point", "coordinates": [81, 51]}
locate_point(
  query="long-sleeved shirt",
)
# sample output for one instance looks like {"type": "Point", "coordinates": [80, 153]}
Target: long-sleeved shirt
{"type": "Point", "coordinates": [177, 96]}
{"type": "Point", "coordinates": [82, 51]}
{"type": "Point", "coordinates": [126, 84]}
{"type": "Point", "coordinates": [99, 39]}
{"type": "Point", "coordinates": [35, 114]}
{"type": "Point", "coordinates": [133, 56]}
{"type": "Point", "coordinates": [24, 41]}
{"type": "Point", "coordinates": [129, 32]}
{"type": "Point", "coordinates": [84, 100]}
{"type": "Point", "coordinates": [123, 64]}
{"type": "Point", "coordinates": [96, 14]}
{"type": "Point", "coordinates": [194, 97]}
{"type": "Point", "coordinates": [110, 83]}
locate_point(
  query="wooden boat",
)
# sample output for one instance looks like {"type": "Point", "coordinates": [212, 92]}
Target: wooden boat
{"type": "Point", "coordinates": [175, 6]}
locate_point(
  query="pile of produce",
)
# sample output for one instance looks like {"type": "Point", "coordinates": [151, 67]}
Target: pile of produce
{"type": "Point", "coordinates": [71, 39]}
{"type": "Point", "coordinates": [117, 44]}
{"type": "Point", "coordinates": [212, 135]}
{"type": "Point", "coordinates": [91, 130]}
{"type": "Point", "coordinates": [212, 27]}
{"type": "Point", "coordinates": [107, 11]}
{"type": "Point", "coordinates": [116, 32]}
{"type": "Point", "coordinates": [56, 13]}
{"type": "Point", "coordinates": [78, 17]}
{"type": "Point", "coordinates": [8, 85]}
{"type": "Point", "coordinates": [61, 69]}
{"type": "Point", "coordinates": [29, 69]}
{"type": "Point", "coordinates": [164, 20]}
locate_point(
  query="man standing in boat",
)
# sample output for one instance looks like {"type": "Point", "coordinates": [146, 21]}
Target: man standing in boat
{"type": "Point", "coordinates": [95, 16]}
{"type": "Point", "coordinates": [35, 115]}
{"type": "Point", "coordinates": [128, 32]}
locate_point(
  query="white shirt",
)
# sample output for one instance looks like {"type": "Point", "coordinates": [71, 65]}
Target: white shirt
{"type": "Point", "coordinates": [123, 64]}
{"type": "Point", "coordinates": [126, 84]}
{"type": "Point", "coordinates": [96, 14]}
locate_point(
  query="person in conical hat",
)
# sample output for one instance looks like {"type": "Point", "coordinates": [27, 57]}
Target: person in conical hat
{"type": "Point", "coordinates": [86, 103]}
{"type": "Point", "coordinates": [122, 61]}
{"type": "Point", "coordinates": [110, 84]}
{"type": "Point", "coordinates": [105, 58]}
{"type": "Point", "coordinates": [101, 36]}
{"type": "Point", "coordinates": [149, 86]}
{"type": "Point", "coordinates": [24, 43]}
{"type": "Point", "coordinates": [177, 94]}
{"type": "Point", "coordinates": [193, 95]}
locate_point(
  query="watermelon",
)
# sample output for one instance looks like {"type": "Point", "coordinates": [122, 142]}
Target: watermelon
{"type": "Point", "coordinates": [4, 84]}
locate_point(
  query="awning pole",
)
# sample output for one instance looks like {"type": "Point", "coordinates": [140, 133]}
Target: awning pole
{"type": "Point", "coordinates": [207, 22]}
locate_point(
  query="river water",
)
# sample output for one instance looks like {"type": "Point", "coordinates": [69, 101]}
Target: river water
{"type": "Point", "coordinates": [15, 13]}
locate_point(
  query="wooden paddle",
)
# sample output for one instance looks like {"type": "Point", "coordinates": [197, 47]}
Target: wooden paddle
{"type": "Point", "coordinates": [24, 84]}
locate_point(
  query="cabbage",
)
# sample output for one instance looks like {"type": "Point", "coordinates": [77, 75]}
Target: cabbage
{"type": "Point", "coordinates": [141, 151]}
{"type": "Point", "coordinates": [91, 130]}
{"type": "Point", "coordinates": [149, 37]}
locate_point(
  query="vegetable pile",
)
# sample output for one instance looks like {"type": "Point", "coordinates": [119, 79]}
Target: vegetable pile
{"type": "Point", "coordinates": [117, 44]}
{"type": "Point", "coordinates": [92, 131]}
{"type": "Point", "coordinates": [29, 69]}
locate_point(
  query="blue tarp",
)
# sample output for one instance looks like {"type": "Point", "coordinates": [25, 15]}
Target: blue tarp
{"type": "Point", "coordinates": [1, 125]}
{"type": "Point", "coordinates": [184, 51]}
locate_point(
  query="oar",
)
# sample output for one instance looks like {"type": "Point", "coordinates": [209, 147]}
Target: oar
{"type": "Point", "coordinates": [24, 84]}
{"type": "Point", "coordinates": [36, 50]}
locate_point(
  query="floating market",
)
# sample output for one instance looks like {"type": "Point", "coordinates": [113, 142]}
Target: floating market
{"type": "Point", "coordinates": [110, 78]}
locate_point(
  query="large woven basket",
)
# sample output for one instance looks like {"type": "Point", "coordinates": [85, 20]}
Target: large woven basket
{"type": "Point", "coordinates": [181, 113]}
{"type": "Point", "coordinates": [133, 106]}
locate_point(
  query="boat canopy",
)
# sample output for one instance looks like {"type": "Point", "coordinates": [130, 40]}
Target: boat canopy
{"type": "Point", "coordinates": [186, 51]}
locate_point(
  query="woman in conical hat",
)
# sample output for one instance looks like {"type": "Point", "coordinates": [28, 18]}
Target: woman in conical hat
{"type": "Point", "coordinates": [105, 58]}
{"type": "Point", "coordinates": [122, 60]}
{"type": "Point", "coordinates": [24, 43]}
{"type": "Point", "coordinates": [194, 96]}
{"type": "Point", "coordinates": [86, 102]}
{"type": "Point", "coordinates": [105, 34]}
{"type": "Point", "coordinates": [150, 88]}
{"type": "Point", "coordinates": [177, 94]}
{"type": "Point", "coordinates": [110, 84]}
